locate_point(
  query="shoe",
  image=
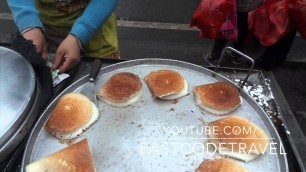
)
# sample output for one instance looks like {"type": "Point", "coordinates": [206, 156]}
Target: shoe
{"type": "Point", "coordinates": [236, 59]}
{"type": "Point", "coordinates": [212, 61]}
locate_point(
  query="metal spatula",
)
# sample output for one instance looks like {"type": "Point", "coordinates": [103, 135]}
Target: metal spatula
{"type": "Point", "coordinates": [89, 88]}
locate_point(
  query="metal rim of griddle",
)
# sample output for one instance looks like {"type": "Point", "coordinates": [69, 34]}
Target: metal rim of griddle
{"type": "Point", "coordinates": [14, 134]}
{"type": "Point", "coordinates": [265, 119]}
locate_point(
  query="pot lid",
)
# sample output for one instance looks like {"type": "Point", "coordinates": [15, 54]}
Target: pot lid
{"type": "Point", "coordinates": [17, 83]}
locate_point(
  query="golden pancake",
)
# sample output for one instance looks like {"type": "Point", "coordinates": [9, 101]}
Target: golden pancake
{"type": "Point", "coordinates": [234, 131]}
{"type": "Point", "coordinates": [72, 112]}
{"type": "Point", "coordinates": [120, 87]}
{"type": "Point", "coordinates": [165, 82]}
{"type": "Point", "coordinates": [219, 95]}
{"type": "Point", "coordinates": [220, 165]}
{"type": "Point", "coordinates": [74, 158]}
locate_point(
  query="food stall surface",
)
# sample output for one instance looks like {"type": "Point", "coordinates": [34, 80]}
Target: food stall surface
{"type": "Point", "coordinates": [261, 86]}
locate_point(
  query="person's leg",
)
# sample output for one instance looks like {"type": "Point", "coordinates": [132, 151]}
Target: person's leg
{"type": "Point", "coordinates": [217, 48]}
{"type": "Point", "coordinates": [242, 24]}
{"type": "Point", "coordinates": [213, 57]}
{"type": "Point", "coordinates": [276, 54]}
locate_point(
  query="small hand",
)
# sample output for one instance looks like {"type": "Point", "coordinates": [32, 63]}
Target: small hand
{"type": "Point", "coordinates": [38, 39]}
{"type": "Point", "coordinates": [67, 54]}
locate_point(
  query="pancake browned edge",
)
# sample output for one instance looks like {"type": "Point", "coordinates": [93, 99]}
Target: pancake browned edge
{"type": "Point", "coordinates": [218, 98]}
{"type": "Point", "coordinates": [73, 114]}
{"type": "Point", "coordinates": [76, 158]}
{"type": "Point", "coordinates": [245, 145]}
{"type": "Point", "coordinates": [122, 89]}
{"type": "Point", "coordinates": [167, 84]}
{"type": "Point", "coordinates": [220, 165]}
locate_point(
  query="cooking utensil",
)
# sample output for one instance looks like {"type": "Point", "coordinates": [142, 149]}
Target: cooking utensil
{"type": "Point", "coordinates": [116, 138]}
{"type": "Point", "coordinates": [17, 95]}
{"type": "Point", "coordinates": [89, 89]}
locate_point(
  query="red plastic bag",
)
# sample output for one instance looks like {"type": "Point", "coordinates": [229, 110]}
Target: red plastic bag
{"type": "Point", "coordinates": [229, 30]}
{"type": "Point", "coordinates": [297, 12]}
{"type": "Point", "coordinates": [209, 17]}
{"type": "Point", "coordinates": [270, 22]}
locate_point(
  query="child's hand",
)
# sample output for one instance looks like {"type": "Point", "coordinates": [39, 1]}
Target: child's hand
{"type": "Point", "coordinates": [38, 39]}
{"type": "Point", "coordinates": [67, 54]}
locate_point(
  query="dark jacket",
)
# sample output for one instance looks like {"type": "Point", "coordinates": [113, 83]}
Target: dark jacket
{"type": "Point", "coordinates": [247, 5]}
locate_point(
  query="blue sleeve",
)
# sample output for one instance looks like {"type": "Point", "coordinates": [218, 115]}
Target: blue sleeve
{"type": "Point", "coordinates": [94, 16]}
{"type": "Point", "coordinates": [25, 13]}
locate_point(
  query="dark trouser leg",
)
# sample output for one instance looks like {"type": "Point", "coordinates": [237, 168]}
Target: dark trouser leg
{"type": "Point", "coordinates": [242, 24]}
{"type": "Point", "coordinates": [276, 54]}
{"type": "Point", "coordinates": [217, 48]}
{"type": "Point", "coordinates": [242, 18]}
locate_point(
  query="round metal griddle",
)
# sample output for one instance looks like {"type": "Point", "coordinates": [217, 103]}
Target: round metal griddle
{"type": "Point", "coordinates": [18, 90]}
{"type": "Point", "coordinates": [128, 138]}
